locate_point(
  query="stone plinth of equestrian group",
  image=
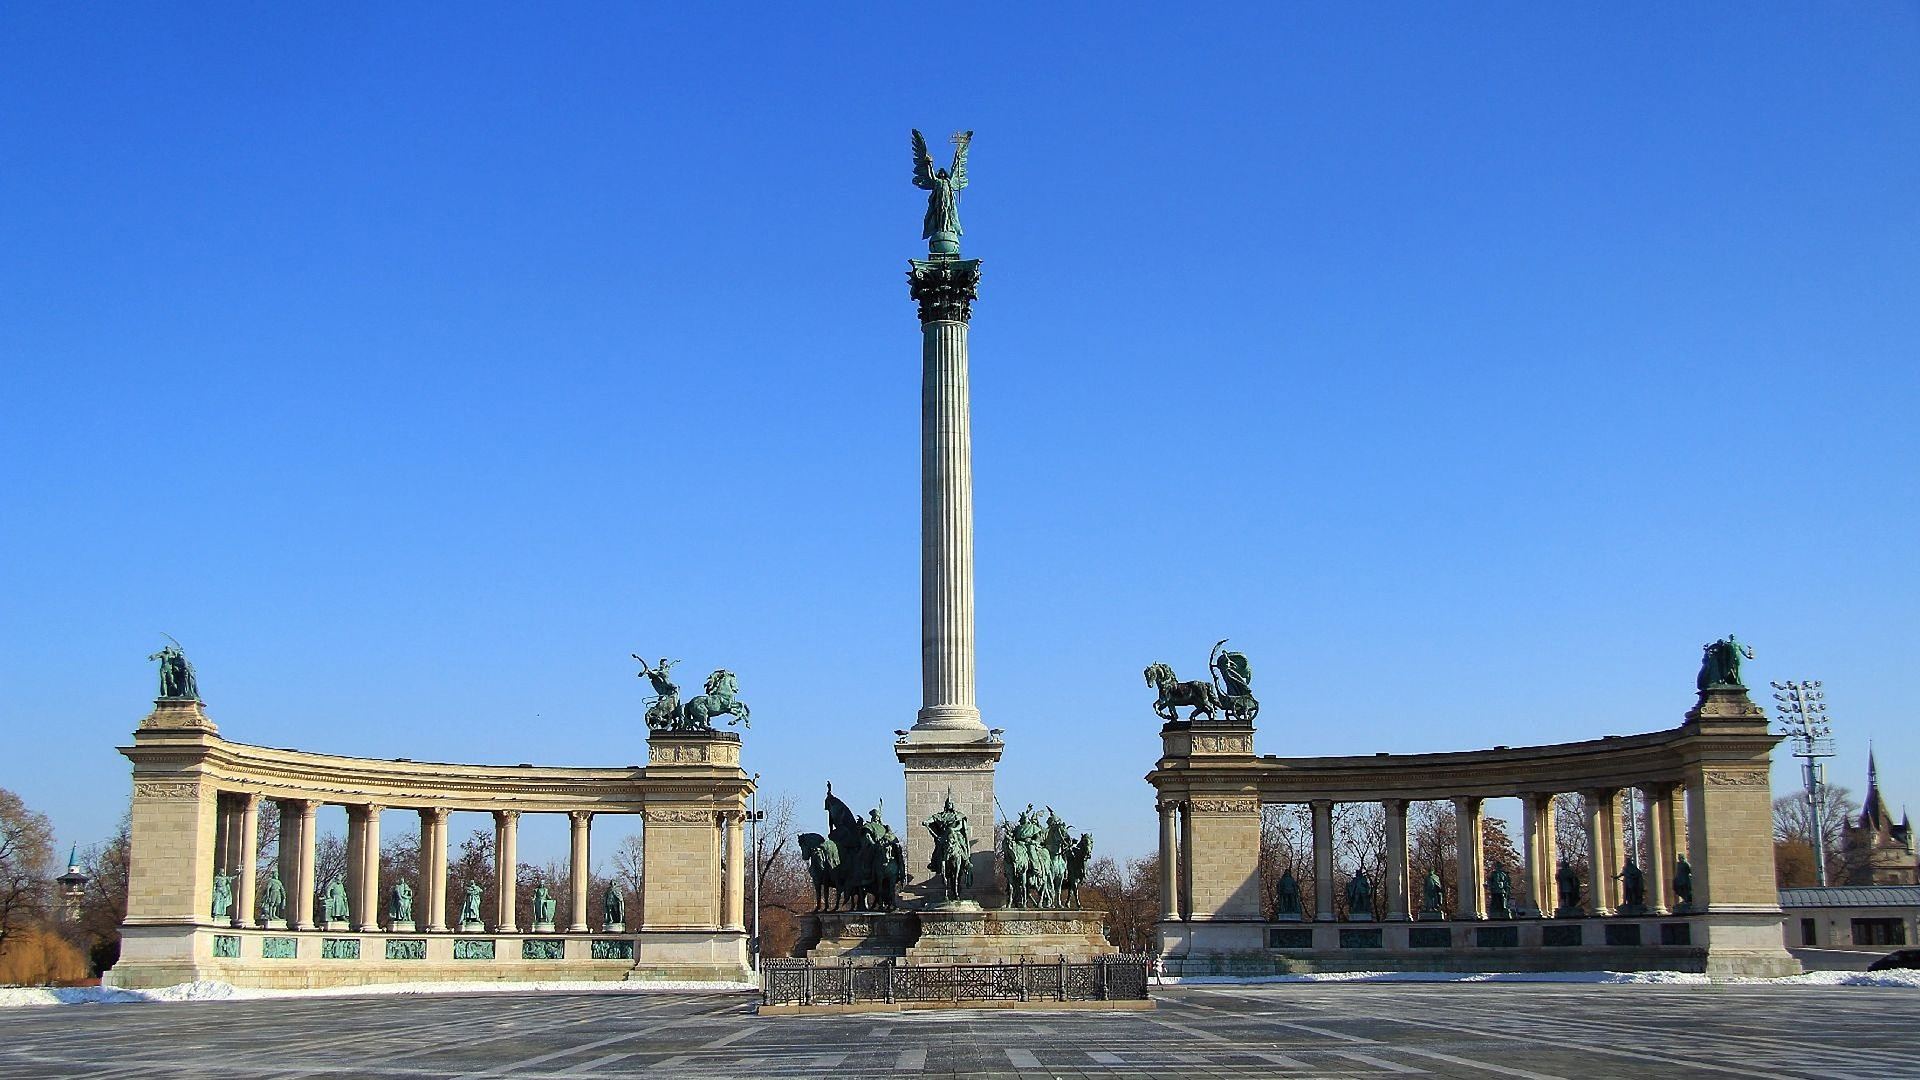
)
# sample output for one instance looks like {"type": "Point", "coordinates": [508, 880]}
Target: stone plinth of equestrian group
{"type": "Point", "coordinates": [956, 934]}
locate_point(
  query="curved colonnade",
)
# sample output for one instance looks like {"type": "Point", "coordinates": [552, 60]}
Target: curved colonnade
{"type": "Point", "coordinates": [1707, 793]}
{"type": "Point", "coordinates": [196, 810]}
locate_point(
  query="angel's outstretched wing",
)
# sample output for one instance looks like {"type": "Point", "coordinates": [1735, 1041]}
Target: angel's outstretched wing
{"type": "Point", "coordinates": [958, 174]}
{"type": "Point", "coordinates": [922, 162]}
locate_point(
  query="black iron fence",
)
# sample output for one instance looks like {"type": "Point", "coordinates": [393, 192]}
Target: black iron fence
{"type": "Point", "coordinates": [805, 982]}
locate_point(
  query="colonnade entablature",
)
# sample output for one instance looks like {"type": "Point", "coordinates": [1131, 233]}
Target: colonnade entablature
{"type": "Point", "coordinates": [195, 868]}
{"type": "Point", "coordinates": [1708, 853]}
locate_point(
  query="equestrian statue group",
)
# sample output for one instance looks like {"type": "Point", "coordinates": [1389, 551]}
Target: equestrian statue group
{"type": "Point", "coordinates": [1230, 692]}
{"type": "Point", "coordinates": [858, 865]}
{"type": "Point", "coordinates": [1045, 863]}
{"type": "Point", "coordinates": [666, 712]}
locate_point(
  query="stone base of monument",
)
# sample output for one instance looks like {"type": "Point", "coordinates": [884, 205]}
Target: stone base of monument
{"type": "Point", "coordinates": [336, 926]}
{"type": "Point", "coordinates": [401, 927]}
{"type": "Point", "coordinates": [472, 927]}
{"type": "Point", "coordinates": [949, 936]}
{"type": "Point", "coordinates": [1360, 916]}
{"type": "Point", "coordinates": [1288, 916]}
{"type": "Point", "coordinates": [614, 928]}
{"type": "Point", "coordinates": [543, 928]}
{"type": "Point", "coordinates": [834, 934]}
{"type": "Point", "coordinates": [1433, 916]}
{"type": "Point", "coordinates": [274, 924]}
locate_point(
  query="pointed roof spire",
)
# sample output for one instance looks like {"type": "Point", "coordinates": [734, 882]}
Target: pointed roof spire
{"type": "Point", "coordinates": [73, 858]}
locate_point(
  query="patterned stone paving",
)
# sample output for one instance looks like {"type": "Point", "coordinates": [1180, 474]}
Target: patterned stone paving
{"type": "Point", "coordinates": [1269, 1031]}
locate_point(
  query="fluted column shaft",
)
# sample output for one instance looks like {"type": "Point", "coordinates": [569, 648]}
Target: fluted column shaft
{"type": "Point", "coordinates": [1396, 810]}
{"type": "Point", "coordinates": [506, 864]}
{"type": "Point", "coordinates": [946, 529]}
{"type": "Point", "coordinates": [433, 867]}
{"type": "Point", "coordinates": [1323, 861]}
{"type": "Point", "coordinates": [369, 912]}
{"type": "Point", "coordinates": [1186, 860]}
{"type": "Point", "coordinates": [1597, 806]}
{"type": "Point", "coordinates": [578, 868]}
{"type": "Point", "coordinates": [304, 865]}
{"type": "Point", "coordinates": [1169, 862]}
{"type": "Point", "coordinates": [249, 860]}
{"type": "Point", "coordinates": [1469, 872]}
{"type": "Point", "coordinates": [1659, 849]}
{"type": "Point", "coordinates": [735, 912]}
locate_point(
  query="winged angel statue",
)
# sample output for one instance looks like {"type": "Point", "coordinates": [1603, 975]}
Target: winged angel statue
{"type": "Point", "coordinates": [942, 227]}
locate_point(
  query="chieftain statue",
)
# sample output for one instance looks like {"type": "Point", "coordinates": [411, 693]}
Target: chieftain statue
{"type": "Point", "coordinates": [333, 900]}
{"type": "Point", "coordinates": [1720, 664]}
{"type": "Point", "coordinates": [273, 898]}
{"type": "Point", "coordinates": [1430, 894]}
{"type": "Point", "coordinates": [177, 681]}
{"type": "Point", "coordinates": [543, 905]}
{"type": "Point", "coordinates": [1045, 863]}
{"type": "Point", "coordinates": [613, 908]}
{"type": "Point", "coordinates": [665, 711]}
{"type": "Point", "coordinates": [1231, 690]}
{"type": "Point", "coordinates": [858, 865]}
{"type": "Point", "coordinates": [400, 902]}
{"type": "Point", "coordinates": [1286, 904]}
{"type": "Point", "coordinates": [1359, 896]}
{"type": "Point", "coordinates": [222, 895]}
{"type": "Point", "coordinates": [941, 229]}
{"type": "Point", "coordinates": [470, 905]}
{"type": "Point", "coordinates": [1567, 881]}
{"type": "Point", "coordinates": [1633, 889]}
{"type": "Point", "coordinates": [952, 849]}
{"type": "Point", "coordinates": [1500, 892]}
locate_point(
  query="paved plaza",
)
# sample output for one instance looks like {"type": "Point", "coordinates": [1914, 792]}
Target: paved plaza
{"type": "Point", "coordinates": [1458, 1030]}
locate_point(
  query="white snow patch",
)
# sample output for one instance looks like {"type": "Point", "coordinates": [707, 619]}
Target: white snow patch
{"type": "Point", "coordinates": [207, 990]}
{"type": "Point", "coordinates": [1679, 978]}
{"type": "Point", "coordinates": [1905, 978]}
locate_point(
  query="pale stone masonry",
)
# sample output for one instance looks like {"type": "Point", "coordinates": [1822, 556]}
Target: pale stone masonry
{"type": "Point", "coordinates": [1706, 788]}
{"type": "Point", "coordinates": [196, 798]}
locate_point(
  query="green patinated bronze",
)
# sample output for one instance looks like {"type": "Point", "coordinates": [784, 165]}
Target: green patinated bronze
{"type": "Point", "coordinates": [858, 865]}
{"type": "Point", "coordinates": [1500, 892]}
{"type": "Point", "coordinates": [333, 901]}
{"type": "Point", "coordinates": [1633, 887]}
{"type": "Point", "coordinates": [1430, 894]}
{"type": "Point", "coordinates": [1230, 692]}
{"type": "Point", "coordinates": [612, 949]}
{"type": "Point", "coordinates": [279, 948]}
{"type": "Point", "coordinates": [400, 902]}
{"type": "Point", "coordinates": [273, 898]}
{"type": "Point", "coordinates": [226, 946]}
{"type": "Point", "coordinates": [543, 949]}
{"type": "Point", "coordinates": [470, 905]}
{"type": "Point", "coordinates": [177, 680]}
{"type": "Point", "coordinates": [941, 227]}
{"type": "Point", "coordinates": [1683, 882]}
{"type": "Point", "coordinates": [613, 907]}
{"type": "Point", "coordinates": [340, 948]}
{"type": "Point", "coordinates": [1286, 900]}
{"type": "Point", "coordinates": [473, 949]}
{"type": "Point", "coordinates": [1566, 881]}
{"type": "Point", "coordinates": [1044, 863]}
{"type": "Point", "coordinates": [543, 905]}
{"type": "Point", "coordinates": [222, 895]}
{"type": "Point", "coordinates": [952, 849]}
{"type": "Point", "coordinates": [406, 948]}
{"type": "Point", "coordinates": [1720, 664]}
{"type": "Point", "coordinates": [1359, 895]}
{"type": "Point", "coordinates": [666, 712]}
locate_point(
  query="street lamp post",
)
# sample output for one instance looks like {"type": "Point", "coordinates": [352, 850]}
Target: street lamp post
{"type": "Point", "coordinates": [1803, 709]}
{"type": "Point", "coordinates": [754, 815]}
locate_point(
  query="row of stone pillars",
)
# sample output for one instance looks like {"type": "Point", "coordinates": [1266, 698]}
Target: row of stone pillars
{"type": "Point", "coordinates": [237, 854]}
{"type": "Point", "coordinates": [1534, 897]}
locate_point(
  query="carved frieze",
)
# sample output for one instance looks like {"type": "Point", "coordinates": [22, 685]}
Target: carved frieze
{"type": "Point", "coordinates": [693, 753]}
{"type": "Point", "coordinates": [1741, 778]}
{"type": "Point", "coordinates": [1223, 744]}
{"type": "Point", "coordinates": [1224, 806]}
{"type": "Point", "coordinates": [676, 815]}
{"type": "Point", "coordinates": [956, 763]}
{"type": "Point", "coordinates": [165, 789]}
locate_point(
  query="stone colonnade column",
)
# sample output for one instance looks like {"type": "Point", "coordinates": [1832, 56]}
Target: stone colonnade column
{"type": "Point", "coordinates": [1169, 862]}
{"type": "Point", "coordinates": [735, 913]}
{"type": "Point", "coordinates": [243, 901]}
{"type": "Point", "coordinates": [1599, 852]}
{"type": "Point", "coordinates": [1659, 850]}
{"type": "Point", "coordinates": [1396, 810]}
{"type": "Point", "coordinates": [1536, 810]}
{"type": "Point", "coordinates": [578, 868]}
{"type": "Point", "coordinates": [356, 863]}
{"type": "Point", "coordinates": [1322, 861]}
{"type": "Point", "coordinates": [302, 892]}
{"type": "Point", "coordinates": [1673, 821]}
{"type": "Point", "coordinates": [369, 912]}
{"type": "Point", "coordinates": [506, 865]}
{"type": "Point", "coordinates": [1186, 859]}
{"type": "Point", "coordinates": [433, 868]}
{"type": "Point", "coordinates": [1469, 859]}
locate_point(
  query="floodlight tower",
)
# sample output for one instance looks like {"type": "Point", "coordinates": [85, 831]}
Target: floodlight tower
{"type": "Point", "coordinates": [1803, 709]}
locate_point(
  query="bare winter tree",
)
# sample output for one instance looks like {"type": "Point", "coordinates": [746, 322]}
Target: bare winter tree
{"type": "Point", "coordinates": [1793, 834]}
{"type": "Point", "coordinates": [1130, 898]}
{"type": "Point", "coordinates": [1286, 843]}
{"type": "Point", "coordinates": [1570, 829]}
{"type": "Point", "coordinates": [26, 857]}
{"type": "Point", "coordinates": [629, 873]}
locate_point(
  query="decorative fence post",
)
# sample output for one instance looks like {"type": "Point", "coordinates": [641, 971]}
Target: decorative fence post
{"type": "Point", "coordinates": [806, 984]}
{"type": "Point", "coordinates": [1063, 976]}
{"type": "Point", "coordinates": [889, 963]}
{"type": "Point", "coordinates": [1024, 977]}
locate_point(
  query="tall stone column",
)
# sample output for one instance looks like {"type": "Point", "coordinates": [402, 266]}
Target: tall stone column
{"type": "Point", "coordinates": [304, 864]}
{"type": "Point", "coordinates": [243, 901]}
{"type": "Point", "coordinates": [1542, 851]}
{"type": "Point", "coordinates": [1469, 871]}
{"type": "Point", "coordinates": [1596, 807]}
{"type": "Point", "coordinates": [1169, 862]}
{"type": "Point", "coordinates": [578, 869]}
{"type": "Point", "coordinates": [433, 868]}
{"type": "Point", "coordinates": [356, 863]}
{"type": "Point", "coordinates": [736, 878]}
{"type": "Point", "coordinates": [948, 752]}
{"type": "Point", "coordinates": [369, 913]}
{"type": "Point", "coordinates": [506, 865]}
{"type": "Point", "coordinates": [1396, 810]}
{"type": "Point", "coordinates": [1186, 859]}
{"type": "Point", "coordinates": [1322, 861]}
{"type": "Point", "coordinates": [1659, 849]}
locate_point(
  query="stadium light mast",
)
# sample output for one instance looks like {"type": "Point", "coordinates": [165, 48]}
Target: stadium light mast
{"type": "Point", "coordinates": [1803, 710]}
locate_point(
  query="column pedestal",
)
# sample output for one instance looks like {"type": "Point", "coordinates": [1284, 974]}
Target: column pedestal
{"type": "Point", "coordinates": [939, 763]}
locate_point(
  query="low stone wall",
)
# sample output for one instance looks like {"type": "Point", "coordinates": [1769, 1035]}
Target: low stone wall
{"type": "Point", "coordinates": [955, 935]}
{"type": "Point", "coordinates": [312, 959]}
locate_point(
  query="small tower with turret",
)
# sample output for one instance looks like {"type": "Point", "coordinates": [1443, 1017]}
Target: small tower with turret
{"type": "Point", "coordinates": [73, 886]}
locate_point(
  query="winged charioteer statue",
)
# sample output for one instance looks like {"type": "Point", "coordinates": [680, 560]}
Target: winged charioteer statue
{"type": "Point", "coordinates": [941, 229]}
{"type": "Point", "coordinates": [1231, 690]}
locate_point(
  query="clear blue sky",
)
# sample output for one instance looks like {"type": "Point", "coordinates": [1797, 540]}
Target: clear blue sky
{"type": "Point", "coordinates": [1468, 368]}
